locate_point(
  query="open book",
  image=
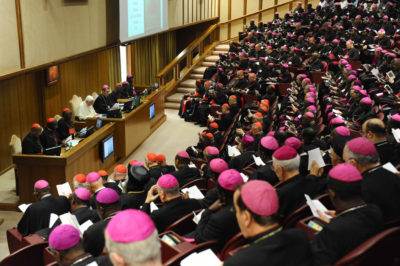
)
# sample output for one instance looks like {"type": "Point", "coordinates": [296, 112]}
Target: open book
{"type": "Point", "coordinates": [316, 205]}
{"type": "Point", "coordinates": [194, 192]}
{"type": "Point", "coordinates": [206, 257]}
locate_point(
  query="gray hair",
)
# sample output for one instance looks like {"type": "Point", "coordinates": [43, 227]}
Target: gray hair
{"type": "Point", "coordinates": [288, 165]}
{"type": "Point", "coordinates": [137, 253]}
{"type": "Point", "coordinates": [173, 191]}
{"type": "Point", "coordinates": [362, 159]}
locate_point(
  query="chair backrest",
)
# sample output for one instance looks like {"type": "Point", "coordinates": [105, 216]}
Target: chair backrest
{"type": "Point", "coordinates": [57, 117]}
{"type": "Point", "coordinates": [355, 133]}
{"type": "Point", "coordinates": [75, 102]}
{"type": "Point", "coordinates": [282, 87]}
{"type": "Point", "coordinates": [14, 240]}
{"type": "Point", "coordinates": [382, 249]}
{"type": "Point", "coordinates": [199, 182]}
{"type": "Point", "coordinates": [321, 129]}
{"type": "Point", "coordinates": [15, 145]}
{"type": "Point", "coordinates": [48, 258]}
{"type": "Point", "coordinates": [237, 241]}
{"type": "Point", "coordinates": [184, 225]}
{"type": "Point", "coordinates": [30, 255]}
{"type": "Point", "coordinates": [316, 76]}
{"type": "Point", "coordinates": [167, 252]}
{"type": "Point", "coordinates": [210, 184]}
{"type": "Point", "coordinates": [214, 109]}
{"type": "Point", "coordinates": [176, 260]}
{"type": "Point", "coordinates": [198, 162]}
{"type": "Point", "coordinates": [95, 95]}
{"type": "Point", "coordinates": [310, 232]}
{"type": "Point", "coordinates": [250, 98]}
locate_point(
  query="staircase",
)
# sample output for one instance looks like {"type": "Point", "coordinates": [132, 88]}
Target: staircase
{"type": "Point", "coordinates": [189, 85]}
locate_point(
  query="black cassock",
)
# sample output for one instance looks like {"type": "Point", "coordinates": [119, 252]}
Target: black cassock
{"type": "Point", "coordinates": [345, 232]}
{"type": "Point", "coordinates": [210, 197]}
{"type": "Point", "coordinates": [31, 145]}
{"type": "Point", "coordinates": [49, 138]}
{"type": "Point", "coordinates": [171, 211]}
{"type": "Point", "coordinates": [265, 173]}
{"type": "Point", "coordinates": [186, 174]}
{"type": "Point", "coordinates": [93, 238]}
{"type": "Point", "coordinates": [37, 216]}
{"type": "Point", "coordinates": [288, 247]}
{"type": "Point", "coordinates": [382, 187]}
{"type": "Point", "coordinates": [133, 200]}
{"type": "Point", "coordinates": [102, 104]}
{"type": "Point", "coordinates": [65, 129]}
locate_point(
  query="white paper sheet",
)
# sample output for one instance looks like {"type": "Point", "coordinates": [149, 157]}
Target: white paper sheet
{"type": "Point", "coordinates": [194, 192]}
{"type": "Point", "coordinates": [245, 177]}
{"type": "Point", "coordinates": [83, 227]}
{"type": "Point", "coordinates": [64, 189]}
{"type": "Point", "coordinates": [316, 205]}
{"type": "Point", "coordinates": [390, 167]}
{"type": "Point", "coordinates": [258, 161]}
{"type": "Point", "coordinates": [68, 218]}
{"type": "Point", "coordinates": [396, 134]}
{"type": "Point", "coordinates": [315, 154]}
{"type": "Point", "coordinates": [53, 219]}
{"type": "Point", "coordinates": [197, 218]}
{"type": "Point", "coordinates": [233, 151]}
{"type": "Point", "coordinates": [206, 257]}
{"type": "Point", "coordinates": [153, 207]}
{"type": "Point", "coordinates": [192, 165]}
{"type": "Point", "coordinates": [23, 207]}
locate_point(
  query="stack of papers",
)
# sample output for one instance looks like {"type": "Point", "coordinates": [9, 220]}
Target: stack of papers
{"type": "Point", "coordinates": [258, 161]}
{"type": "Point", "coordinates": [316, 205]}
{"type": "Point", "coordinates": [64, 189]}
{"type": "Point", "coordinates": [153, 207]}
{"type": "Point", "coordinates": [389, 166]}
{"type": "Point", "coordinates": [233, 151]}
{"type": "Point", "coordinates": [191, 165]}
{"type": "Point", "coordinates": [197, 217]}
{"type": "Point", "coordinates": [206, 257]}
{"type": "Point", "coordinates": [316, 155]}
{"type": "Point", "coordinates": [194, 192]}
{"type": "Point", "coordinates": [245, 177]}
{"type": "Point", "coordinates": [23, 207]}
{"type": "Point", "coordinates": [396, 134]}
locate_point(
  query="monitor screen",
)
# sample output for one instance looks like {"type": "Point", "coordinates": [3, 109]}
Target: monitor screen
{"type": "Point", "coordinates": [99, 123]}
{"type": "Point", "coordinates": [152, 111]}
{"type": "Point", "coordinates": [106, 147]}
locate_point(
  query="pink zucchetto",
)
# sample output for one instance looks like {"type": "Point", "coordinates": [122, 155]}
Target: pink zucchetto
{"type": "Point", "coordinates": [64, 237]}
{"type": "Point", "coordinates": [105, 87]}
{"type": "Point", "coordinates": [271, 133]}
{"type": "Point", "coordinates": [310, 100]}
{"type": "Point", "coordinates": [269, 143]}
{"type": "Point", "coordinates": [343, 131]}
{"type": "Point", "coordinates": [40, 184]}
{"type": "Point", "coordinates": [364, 92]}
{"type": "Point", "coordinates": [167, 181]}
{"type": "Point", "coordinates": [107, 196]}
{"type": "Point", "coordinates": [211, 150]}
{"type": "Point", "coordinates": [92, 177]}
{"type": "Point", "coordinates": [285, 153]}
{"type": "Point", "coordinates": [293, 142]}
{"type": "Point", "coordinates": [229, 179]}
{"type": "Point", "coordinates": [183, 154]}
{"type": "Point", "coordinates": [119, 229]}
{"type": "Point", "coordinates": [309, 114]}
{"type": "Point", "coordinates": [356, 88]}
{"type": "Point", "coordinates": [260, 197]}
{"type": "Point", "coordinates": [396, 117]}
{"type": "Point", "coordinates": [218, 165]}
{"type": "Point", "coordinates": [312, 94]}
{"type": "Point", "coordinates": [345, 172]}
{"type": "Point", "coordinates": [337, 120]}
{"type": "Point", "coordinates": [361, 146]}
{"type": "Point", "coordinates": [247, 140]}
{"type": "Point", "coordinates": [366, 100]}
{"type": "Point", "coordinates": [312, 108]}
{"type": "Point", "coordinates": [82, 193]}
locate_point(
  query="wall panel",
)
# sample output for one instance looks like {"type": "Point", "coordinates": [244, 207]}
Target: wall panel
{"type": "Point", "coordinates": [252, 6]}
{"type": "Point", "coordinates": [267, 15]}
{"type": "Point", "coordinates": [237, 8]}
{"type": "Point", "coordinates": [267, 3]}
{"type": "Point", "coordinates": [224, 10]}
{"type": "Point", "coordinates": [9, 52]}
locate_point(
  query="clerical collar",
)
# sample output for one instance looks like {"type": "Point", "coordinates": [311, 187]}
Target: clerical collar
{"type": "Point", "coordinates": [81, 258]}
{"type": "Point", "coordinates": [262, 236]}
{"type": "Point", "coordinates": [351, 207]}
{"type": "Point", "coordinates": [45, 196]}
{"type": "Point", "coordinates": [373, 169]}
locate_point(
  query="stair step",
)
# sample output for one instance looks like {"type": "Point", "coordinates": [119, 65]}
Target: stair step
{"type": "Point", "coordinates": [212, 58]}
{"type": "Point", "coordinates": [199, 70]}
{"type": "Point", "coordinates": [196, 76]}
{"type": "Point", "coordinates": [171, 105]}
{"type": "Point", "coordinates": [190, 83]}
{"type": "Point", "coordinates": [222, 47]}
{"type": "Point", "coordinates": [217, 52]}
{"type": "Point", "coordinates": [185, 90]}
{"type": "Point", "coordinates": [176, 97]}
{"type": "Point", "coordinates": [207, 64]}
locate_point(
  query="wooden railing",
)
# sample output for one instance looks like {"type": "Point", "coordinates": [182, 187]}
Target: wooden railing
{"type": "Point", "coordinates": [192, 55]}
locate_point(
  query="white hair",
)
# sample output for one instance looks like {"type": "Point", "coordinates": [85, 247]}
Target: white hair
{"type": "Point", "coordinates": [77, 184]}
{"type": "Point", "coordinates": [89, 98]}
{"type": "Point", "coordinates": [288, 165]}
{"type": "Point", "coordinates": [137, 253]}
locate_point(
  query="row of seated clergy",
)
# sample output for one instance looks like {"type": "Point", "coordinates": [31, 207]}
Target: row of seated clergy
{"type": "Point", "coordinates": [55, 132]}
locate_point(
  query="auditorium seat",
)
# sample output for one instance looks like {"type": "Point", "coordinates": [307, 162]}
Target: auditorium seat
{"type": "Point", "coordinates": [32, 253]}
{"type": "Point", "coordinates": [48, 258]}
{"type": "Point", "coordinates": [14, 240]}
{"type": "Point", "coordinates": [250, 99]}
{"type": "Point", "coordinates": [235, 242]}
{"type": "Point", "coordinates": [214, 109]}
{"type": "Point", "coordinates": [75, 102]}
{"type": "Point", "coordinates": [355, 64]}
{"type": "Point", "coordinates": [95, 95]}
{"type": "Point", "coordinates": [198, 161]}
{"type": "Point", "coordinates": [316, 76]}
{"type": "Point", "coordinates": [382, 249]}
{"type": "Point", "coordinates": [211, 184]}
{"type": "Point", "coordinates": [199, 182]}
{"type": "Point", "coordinates": [303, 225]}
{"type": "Point", "coordinates": [176, 260]}
{"type": "Point", "coordinates": [184, 225]}
{"type": "Point", "coordinates": [167, 252]}
{"type": "Point", "coordinates": [282, 88]}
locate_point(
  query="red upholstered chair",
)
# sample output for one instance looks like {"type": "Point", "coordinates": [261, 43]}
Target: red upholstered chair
{"type": "Point", "coordinates": [316, 76]}
{"type": "Point", "coordinates": [31, 255]}
{"type": "Point", "coordinates": [282, 87]}
{"type": "Point", "coordinates": [211, 184]}
{"type": "Point", "coordinates": [167, 252]}
{"type": "Point", "coordinates": [48, 258]}
{"type": "Point", "coordinates": [355, 64]}
{"type": "Point", "coordinates": [235, 242]}
{"type": "Point", "coordinates": [14, 240]}
{"type": "Point", "coordinates": [382, 249]}
{"type": "Point", "coordinates": [250, 99]}
{"type": "Point", "coordinates": [355, 133]}
{"type": "Point", "coordinates": [321, 129]}
{"type": "Point", "coordinates": [198, 161]}
{"type": "Point", "coordinates": [199, 182]}
{"type": "Point", "coordinates": [184, 225]}
{"type": "Point", "coordinates": [310, 232]}
{"type": "Point", "coordinates": [214, 109]}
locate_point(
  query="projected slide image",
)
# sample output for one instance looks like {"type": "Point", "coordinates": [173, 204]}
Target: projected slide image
{"type": "Point", "coordinates": [135, 17]}
{"type": "Point", "coordinates": [153, 16]}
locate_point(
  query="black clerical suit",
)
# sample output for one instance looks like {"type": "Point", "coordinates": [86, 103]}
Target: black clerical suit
{"type": "Point", "coordinates": [92, 201]}
{"type": "Point", "coordinates": [93, 238]}
{"type": "Point", "coordinates": [171, 211]}
{"type": "Point", "coordinates": [382, 187]}
{"type": "Point", "coordinates": [210, 197]}
{"type": "Point", "coordinates": [49, 138]}
{"type": "Point", "coordinates": [387, 152]}
{"type": "Point", "coordinates": [133, 200]}
{"type": "Point", "coordinates": [274, 247]}
{"type": "Point", "coordinates": [186, 174]}
{"type": "Point", "coordinates": [65, 129]}
{"type": "Point", "coordinates": [37, 216]}
{"type": "Point", "coordinates": [242, 160]}
{"type": "Point", "coordinates": [220, 225]}
{"type": "Point", "coordinates": [349, 229]}
{"type": "Point", "coordinates": [102, 104]}
{"type": "Point", "coordinates": [31, 145]}
{"type": "Point", "coordinates": [265, 173]}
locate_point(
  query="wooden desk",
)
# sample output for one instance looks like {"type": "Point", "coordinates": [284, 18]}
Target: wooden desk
{"type": "Point", "coordinates": [83, 158]}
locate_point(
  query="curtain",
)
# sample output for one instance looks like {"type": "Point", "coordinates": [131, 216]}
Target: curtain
{"type": "Point", "coordinates": [114, 64]}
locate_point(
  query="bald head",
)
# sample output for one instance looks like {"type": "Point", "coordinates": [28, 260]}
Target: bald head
{"type": "Point", "coordinates": [374, 129]}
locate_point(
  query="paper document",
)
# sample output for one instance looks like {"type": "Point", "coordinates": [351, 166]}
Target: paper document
{"type": "Point", "coordinates": [396, 134]}
{"type": "Point", "coordinates": [153, 207]}
{"type": "Point", "coordinates": [258, 161]}
{"type": "Point", "coordinates": [192, 165]}
{"type": "Point", "coordinates": [68, 218]}
{"type": "Point", "coordinates": [315, 154]}
{"type": "Point", "coordinates": [245, 177]}
{"type": "Point", "coordinates": [206, 257]}
{"type": "Point", "coordinates": [233, 151]}
{"type": "Point", "coordinates": [210, 117]}
{"type": "Point", "coordinates": [75, 142]}
{"type": "Point", "coordinates": [23, 207]}
{"type": "Point", "coordinates": [64, 189]}
{"type": "Point", "coordinates": [316, 205]}
{"type": "Point", "coordinates": [53, 219]}
{"type": "Point", "coordinates": [115, 107]}
{"type": "Point", "coordinates": [197, 217]}
{"type": "Point", "coordinates": [194, 192]}
{"type": "Point", "coordinates": [83, 227]}
{"type": "Point", "coordinates": [389, 166]}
